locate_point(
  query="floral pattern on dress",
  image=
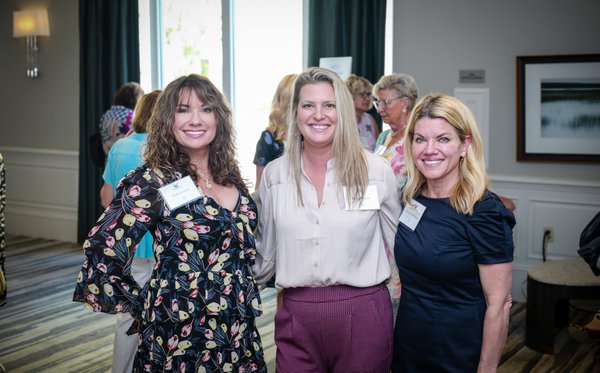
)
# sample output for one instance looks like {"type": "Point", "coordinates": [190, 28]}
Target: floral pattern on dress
{"type": "Point", "coordinates": [395, 155]}
{"type": "Point", "coordinates": [198, 309]}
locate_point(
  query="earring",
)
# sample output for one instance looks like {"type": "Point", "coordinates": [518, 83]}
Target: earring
{"type": "Point", "coordinates": [404, 110]}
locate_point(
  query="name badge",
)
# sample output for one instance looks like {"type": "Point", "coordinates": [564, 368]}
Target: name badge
{"type": "Point", "coordinates": [180, 192]}
{"type": "Point", "coordinates": [370, 200]}
{"type": "Point", "coordinates": [411, 214]}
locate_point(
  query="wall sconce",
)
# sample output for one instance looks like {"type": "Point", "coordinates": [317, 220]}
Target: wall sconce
{"type": "Point", "coordinates": [31, 23]}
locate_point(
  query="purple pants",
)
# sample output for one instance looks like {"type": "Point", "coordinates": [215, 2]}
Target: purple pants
{"type": "Point", "coordinates": [334, 329]}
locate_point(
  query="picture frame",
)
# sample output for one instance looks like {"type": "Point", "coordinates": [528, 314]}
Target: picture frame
{"type": "Point", "coordinates": [558, 108]}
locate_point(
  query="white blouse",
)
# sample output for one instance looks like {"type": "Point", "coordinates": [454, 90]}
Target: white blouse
{"type": "Point", "coordinates": [313, 246]}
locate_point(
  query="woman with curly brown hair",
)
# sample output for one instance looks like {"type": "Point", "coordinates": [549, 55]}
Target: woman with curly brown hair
{"type": "Point", "coordinates": [197, 312]}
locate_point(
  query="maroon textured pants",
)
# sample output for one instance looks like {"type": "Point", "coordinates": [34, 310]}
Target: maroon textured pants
{"type": "Point", "coordinates": [334, 329]}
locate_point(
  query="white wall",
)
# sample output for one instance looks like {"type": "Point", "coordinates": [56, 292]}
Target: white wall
{"type": "Point", "coordinates": [565, 206]}
{"type": "Point", "coordinates": [433, 40]}
{"type": "Point", "coordinates": [42, 190]}
{"type": "Point", "coordinates": [41, 113]}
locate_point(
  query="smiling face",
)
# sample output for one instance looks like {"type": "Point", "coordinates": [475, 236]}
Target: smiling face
{"type": "Point", "coordinates": [195, 123]}
{"type": "Point", "coordinates": [436, 151]}
{"type": "Point", "coordinates": [317, 115]}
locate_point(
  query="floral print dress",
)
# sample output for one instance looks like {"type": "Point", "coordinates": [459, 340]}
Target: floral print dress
{"type": "Point", "coordinates": [394, 154]}
{"type": "Point", "coordinates": [198, 309]}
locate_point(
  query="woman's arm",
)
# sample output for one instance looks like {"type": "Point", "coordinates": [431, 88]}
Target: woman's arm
{"type": "Point", "coordinates": [390, 208]}
{"type": "Point", "coordinates": [496, 280]}
{"type": "Point", "coordinates": [264, 263]}
{"type": "Point", "coordinates": [259, 171]}
{"type": "Point", "coordinates": [106, 195]}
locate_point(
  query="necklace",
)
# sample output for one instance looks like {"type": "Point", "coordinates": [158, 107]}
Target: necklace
{"type": "Point", "coordinates": [395, 133]}
{"type": "Point", "coordinates": [207, 182]}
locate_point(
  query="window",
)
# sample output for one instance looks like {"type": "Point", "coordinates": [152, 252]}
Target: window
{"type": "Point", "coordinates": [180, 37]}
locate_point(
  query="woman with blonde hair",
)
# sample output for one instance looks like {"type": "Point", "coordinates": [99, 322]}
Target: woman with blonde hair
{"type": "Point", "coordinates": [270, 145]}
{"type": "Point", "coordinates": [328, 207]}
{"type": "Point", "coordinates": [454, 247]}
{"type": "Point", "coordinates": [361, 88]}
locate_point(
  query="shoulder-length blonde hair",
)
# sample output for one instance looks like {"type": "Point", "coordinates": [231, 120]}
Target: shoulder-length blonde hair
{"type": "Point", "coordinates": [350, 161]}
{"type": "Point", "coordinates": [164, 153]}
{"type": "Point", "coordinates": [143, 111]}
{"type": "Point", "coordinates": [473, 180]}
{"type": "Point", "coordinates": [279, 118]}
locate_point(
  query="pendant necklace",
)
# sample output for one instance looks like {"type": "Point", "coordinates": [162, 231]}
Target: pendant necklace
{"type": "Point", "coordinates": [207, 182]}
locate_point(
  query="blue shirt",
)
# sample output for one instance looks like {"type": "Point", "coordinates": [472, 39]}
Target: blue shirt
{"type": "Point", "coordinates": [124, 156]}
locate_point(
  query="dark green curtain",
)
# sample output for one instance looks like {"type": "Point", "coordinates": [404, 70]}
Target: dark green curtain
{"type": "Point", "coordinates": [109, 57]}
{"type": "Point", "coordinates": [354, 28]}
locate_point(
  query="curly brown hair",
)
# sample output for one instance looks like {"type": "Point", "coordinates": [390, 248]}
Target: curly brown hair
{"type": "Point", "coordinates": [165, 154]}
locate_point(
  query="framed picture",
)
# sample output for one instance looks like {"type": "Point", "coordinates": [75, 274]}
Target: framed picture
{"type": "Point", "coordinates": [558, 108]}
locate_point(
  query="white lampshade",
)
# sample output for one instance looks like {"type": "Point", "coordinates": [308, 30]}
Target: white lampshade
{"type": "Point", "coordinates": [30, 23]}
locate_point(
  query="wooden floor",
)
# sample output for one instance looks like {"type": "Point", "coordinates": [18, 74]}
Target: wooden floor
{"type": "Point", "coordinates": [42, 330]}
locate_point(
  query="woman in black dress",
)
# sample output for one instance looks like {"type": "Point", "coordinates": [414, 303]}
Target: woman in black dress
{"type": "Point", "coordinates": [454, 247]}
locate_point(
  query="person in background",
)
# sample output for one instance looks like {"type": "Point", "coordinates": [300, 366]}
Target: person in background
{"type": "Point", "coordinates": [3, 286]}
{"type": "Point", "coordinates": [328, 206]}
{"type": "Point", "coordinates": [124, 156]}
{"type": "Point", "coordinates": [116, 121]}
{"type": "Point", "coordinates": [361, 88]}
{"type": "Point", "coordinates": [197, 312]}
{"type": "Point", "coordinates": [395, 96]}
{"type": "Point", "coordinates": [270, 145]}
{"type": "Point", "coordinates": [454, 247]}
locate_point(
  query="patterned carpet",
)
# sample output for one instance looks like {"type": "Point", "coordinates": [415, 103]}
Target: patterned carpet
{"type": "Point", "coordinates": [42, 330]}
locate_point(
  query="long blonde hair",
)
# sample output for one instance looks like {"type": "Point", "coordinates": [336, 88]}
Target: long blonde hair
{"type": "Point", "coordinates": [279, 118]}
{"type": "Point", "coordinates": [350, 160]}
{"type": "Point", "coordinates": [473, 180]}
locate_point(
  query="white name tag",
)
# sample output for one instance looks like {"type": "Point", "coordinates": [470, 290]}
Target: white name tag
{"type": "Point", "coordinates": [180, 192]}
{"type": "Point", "coordinates": [411, 214]}
{"type": "Point", "coordinates": [370, 200]}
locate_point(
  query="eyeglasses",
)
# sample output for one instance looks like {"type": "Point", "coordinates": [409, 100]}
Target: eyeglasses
{"type": "Point", "coordinates": [384, 103]}
{"type": "Point", "coordinates": [364, 94]}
